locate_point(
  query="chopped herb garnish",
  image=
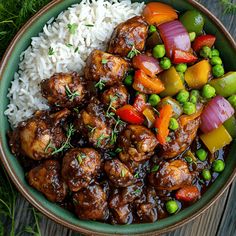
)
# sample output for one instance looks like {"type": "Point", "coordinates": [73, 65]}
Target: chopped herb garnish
{"type": "Point", "coordinates": [91, 129]}
{"type": "Point", "coordinates": [80, 157]}
{"type": "Point", "coordinates": [136, 175]}
{"type": "Point", "coordinates": [89, 25]}
{"type": "Point", "coordinates": [72, 28]}
{"type": "Point", "coordinates": [76, 49]}
{"type": "Point", "coordinates": [168, 139]}
{"type": "Point", "coordinates": [133, 52]}
{"type": "Point", "coordinates": [99, 140]}
{"type": "Point", "coordinates": [110, 107]}
{"type": "Point", "coordinates": [100, 84]}
{"type": "Point", "coordinates": [123, 172]}
{"type": "Point", "coordinates": [104, 61]}
{"type": "Point", "coordinates": [118, 150]}
{"type": "Point", "coordinates": [71, 95]}
{"type": "Point", "coordinates": [155, 168]}
{"type": "Point", "coordinates": [137, 191]}
{"type": "Point", "coordinates": [76, 109]}
{"type": "Point", "coordinates": [65, 145]}
{"type": "Point", "coordinates": [115, 131]}
{"type": "Point", "coordinates": [69, 45]}
{"type": "Point", "coordinates": [189, 159]}
{"type": "Point", "coordinates": [50, 51]}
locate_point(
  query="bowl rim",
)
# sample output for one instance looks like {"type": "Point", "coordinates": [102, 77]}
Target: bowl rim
{"type": "Point", "coordinates": [32, 200]}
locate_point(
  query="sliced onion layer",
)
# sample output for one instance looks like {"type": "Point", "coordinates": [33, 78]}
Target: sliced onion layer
{"type": "Point", "coordinates": [175, 36]}
{"type": "Point", "coordinates": [217, 111]}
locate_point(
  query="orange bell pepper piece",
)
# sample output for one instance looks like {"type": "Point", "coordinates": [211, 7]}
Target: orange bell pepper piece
{"type": "Point", "coordinates": [146, 84]}
{"type": "Point", "coordinates": [162, 123]}
{"type": "Point", "coordinates": [159, 13]}
{"type": "Point", "coordinates": [185, 119]}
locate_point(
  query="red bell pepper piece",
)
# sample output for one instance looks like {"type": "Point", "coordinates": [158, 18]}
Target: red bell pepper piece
{"type": "Point", "coordinates": [129, 114]}
{"type": "Point", "coordinates": [203, 40]}
{"type": "Point", "coordinates": [180, 56]}
{"type": "Point", "coordinates": [188, 194]}
{"type": "Point", "coordinates": [162, 123]}
{"type": "Point", "coordinates": [140, 103]}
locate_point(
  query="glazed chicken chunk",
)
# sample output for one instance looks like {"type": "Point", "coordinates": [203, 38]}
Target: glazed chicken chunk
{"type": "Point", "coordinates": [118, 173]}
{"type": "Point", "coordinates": [128, 35]}
{"type": "Point", "coordinates": [182, 138]}
{"type": "Point", "coordinates": [137, 142]}
{"type": "Point", "coordinates": [171, 176]}
{"type": "Point", "coordinates": [91, 203]}
{"type": "Point", "coordinates": [46, 178]}
{"type": "Point", "coordinates": [64, 90]}
{"type": "Point", "coordinates": [93, 124]}
{"type": "Point", "coordinates": [115, 97]}
{"type": "Point", "coordinates": [105, 68]}
{"type": "Point", "coordinates": [79, 166]}
{"type": "Point", "coordinates": [39, 136]}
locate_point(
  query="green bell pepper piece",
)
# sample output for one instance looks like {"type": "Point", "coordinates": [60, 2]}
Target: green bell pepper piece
{"type": "Point", "coordinates": [230, 126]}
{"type": "Point", "coordinates": [226, 85]}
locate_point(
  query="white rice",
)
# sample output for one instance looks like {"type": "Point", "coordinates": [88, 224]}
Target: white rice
{"type": "Point", "coordinates": [36, 64]}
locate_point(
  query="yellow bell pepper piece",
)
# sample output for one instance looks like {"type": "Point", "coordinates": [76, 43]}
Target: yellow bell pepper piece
{"type": "Point", "coordinates": [172, 82]}
{"type": "Point", "coordinates": [216, 139]}
{"type": "Point", "coordinates": [150, 116]}
{"type": "Point", "coordinates": [197, 75]}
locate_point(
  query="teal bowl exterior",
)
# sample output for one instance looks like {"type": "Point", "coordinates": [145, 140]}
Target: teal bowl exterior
{"type": "Point", "coordinates": [8, 67]}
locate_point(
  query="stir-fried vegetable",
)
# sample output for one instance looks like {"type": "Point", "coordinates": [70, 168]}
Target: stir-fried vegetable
{"type": "Point", "coordinates": [203, 40]}
{"type": "Point", "coordinates": [197, 75]}
{"type": "Point", "coordinates": [162, 123]}
{"type": "Point", "coordinates": [226, 85]}
{"type": "Point", "coordinates": [180, 56]}
{"type": "Point", "coordinates": [185, 119]}
{"type": "Point", "coordinates": [150, 116]}
{"type": "Point", "coordinates": [188, 194]}
{"type": "Point", "coordinates": [129, 114]}
{"type": "Point", "coordinates": [230, 126]}
{"type": "Point", "coordinates": [176, 107]}
{"type": "Point", "coordinates": [149, 65]}
{"type": "Point", "coordinates": [146, 84]}
{"type": "Point", "coordinates": [172, 82]}
{"type": "Point", "coordinates": [153, 40]}
{"type": "Point", "coordinates": [216, 139]}
{"type": "Point", "coordinates": [175, 37]}
{"type": "Point", "coordinates": [217, 111]}
{"type": "Point", "coordinates": [140, 102]}
{"type": "Point", "coordinates": [193, 21]}
{"type": "Point", "coordinates": [159, 13]}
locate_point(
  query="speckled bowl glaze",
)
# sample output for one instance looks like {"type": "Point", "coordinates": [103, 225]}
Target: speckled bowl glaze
{"type": "Point", "coordinates": [9, 65]}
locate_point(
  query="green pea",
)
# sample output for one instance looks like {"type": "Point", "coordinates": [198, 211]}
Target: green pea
{"type": "Point", "coordinates": [218, 70]}
{"type": "Point", "coordinates": [218, 166]}
{"type": "Point", "coordinates": [194, 95]}
{"type": "Point", "coordinates": [173, 125]}
{"type": "Point", "coordinates": [208, 91]}
{"type": "Point", "coordinates": [152, 29]}
{"type": "Point", "coordinates": [206, 174]}
{"type": "Point", "coordinates": [192, 36]}
{"type": "Point", "coordinates": [159, 51]}
{"type": "Point", "coordinates": [172, 206]}
{"type": "Point", "coordinates": [165, 63]}
{"type": "Point", "coordinates": [205, 52]}
{"type": "Point", "coordinates": [181, 67]}
{"type": "Point", "coordinates": [216, 61]}
{"type": "Point", "coordinates": [215, 53]}
{"type": "Point", "coordinates": [189, 108]}
{"type": "Point", "coordinates": [183, 96]}
{"type": "Point", "coordinates": [232, 100]}
{"type": "Point", "coordinates": [154, 99]}
{"type": "Point", "coordinates": [128, 80]}
{"type": "Point", "coordinates": [201, 154]}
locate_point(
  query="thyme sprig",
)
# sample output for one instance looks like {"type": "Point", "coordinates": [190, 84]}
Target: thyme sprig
{"type": "Point", "coordinates": [110, 107]}
{"type": "Point", "coordinates": [100, 84]}
{"type": "Point", "coordinates": [65, 145]}
{"type": "Point", "coordinates": [133, 52]}
{"type": "Point", "coordinates": [71, 95]}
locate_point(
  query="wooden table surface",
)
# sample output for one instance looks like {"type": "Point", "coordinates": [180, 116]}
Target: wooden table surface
{"type": "Point", "coordinates": [220, 219]}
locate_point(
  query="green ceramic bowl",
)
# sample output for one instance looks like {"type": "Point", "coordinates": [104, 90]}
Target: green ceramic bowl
{"type": "Point", "coordinates": [9, 65]}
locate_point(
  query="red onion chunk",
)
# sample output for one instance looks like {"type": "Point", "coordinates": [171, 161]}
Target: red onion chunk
{"type": "Point", "coordinates": [217, 111]}
{"type": "Point", "coordinates": [175, 36]}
